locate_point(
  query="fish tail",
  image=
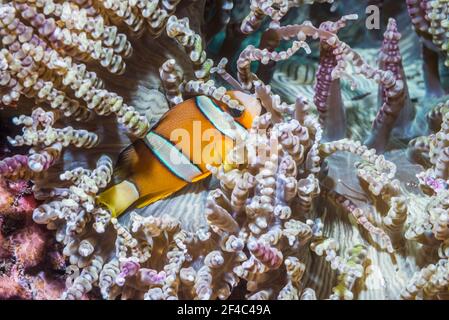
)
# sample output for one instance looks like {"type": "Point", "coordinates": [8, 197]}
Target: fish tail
{"type": "Point", "coordinates": [119, 197]}
{"type": "Point", "coordinates": [123, 193]}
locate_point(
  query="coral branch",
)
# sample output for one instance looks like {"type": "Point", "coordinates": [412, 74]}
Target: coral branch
{"type": "Point", "coordinates": [396, 109]}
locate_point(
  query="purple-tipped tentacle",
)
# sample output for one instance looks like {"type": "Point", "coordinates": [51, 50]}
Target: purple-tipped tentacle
{"type": "Point", "coordinates": [396, 108]}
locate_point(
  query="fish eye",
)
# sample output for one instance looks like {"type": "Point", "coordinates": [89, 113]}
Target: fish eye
{"type": "Point", "coordinates": [236, 113]}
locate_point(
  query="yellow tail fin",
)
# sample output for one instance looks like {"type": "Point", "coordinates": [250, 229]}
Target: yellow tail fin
{"type": "Point", "coordinates": [119, 197]}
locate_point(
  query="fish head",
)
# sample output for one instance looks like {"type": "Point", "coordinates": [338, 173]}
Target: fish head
{"type": "Point", "coordinates": [251, 110]}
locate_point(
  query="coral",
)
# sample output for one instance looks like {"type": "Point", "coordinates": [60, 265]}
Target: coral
{"type": "Point", "coordinates": [428, 19]}
{"type": "Point", "coordinates": [179, 29]}
{"type": "Point", "coordinates": [392, 108]}
{"type": "Point", "coordinates": [327, 88]}
{"type": "Point", "coordinates": [350, 269]}
{"type": "Point", "coordinates": [275, 9]}
{"type": "Point", "coordinates": [171, 77]}
{"type": "Point", "coordinates": [42, 62]}
{"type": "Point", "coordinates": [29, 246]}
{"type": "Point", "coordinates": [27, 252]}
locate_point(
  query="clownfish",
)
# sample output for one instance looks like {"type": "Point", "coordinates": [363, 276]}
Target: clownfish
{"type": "Point", "coordinates": [176, 150]}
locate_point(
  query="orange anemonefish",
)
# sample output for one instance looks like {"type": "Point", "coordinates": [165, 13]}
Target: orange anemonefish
{"type": "Point", "coordinates": [176, 150]}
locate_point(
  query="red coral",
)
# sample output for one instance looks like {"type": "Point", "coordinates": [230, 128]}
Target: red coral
{"type": "Point", "coordinates": [28, 255]}
{"type": "Point", "coordinates": [4, 245]}
{"type": "Point", "coordinates": [16, 197]}
{"type": "Point", "coordinates": [56, 260]}
{"type": "Point", "coordinates": [11, 286]}
{"type": "Point", "coordinates": [6, 198]}
{"type": "Point", "coordinates": [29, 246]}
{"type": "Point", "coordinates": [45, 288]}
